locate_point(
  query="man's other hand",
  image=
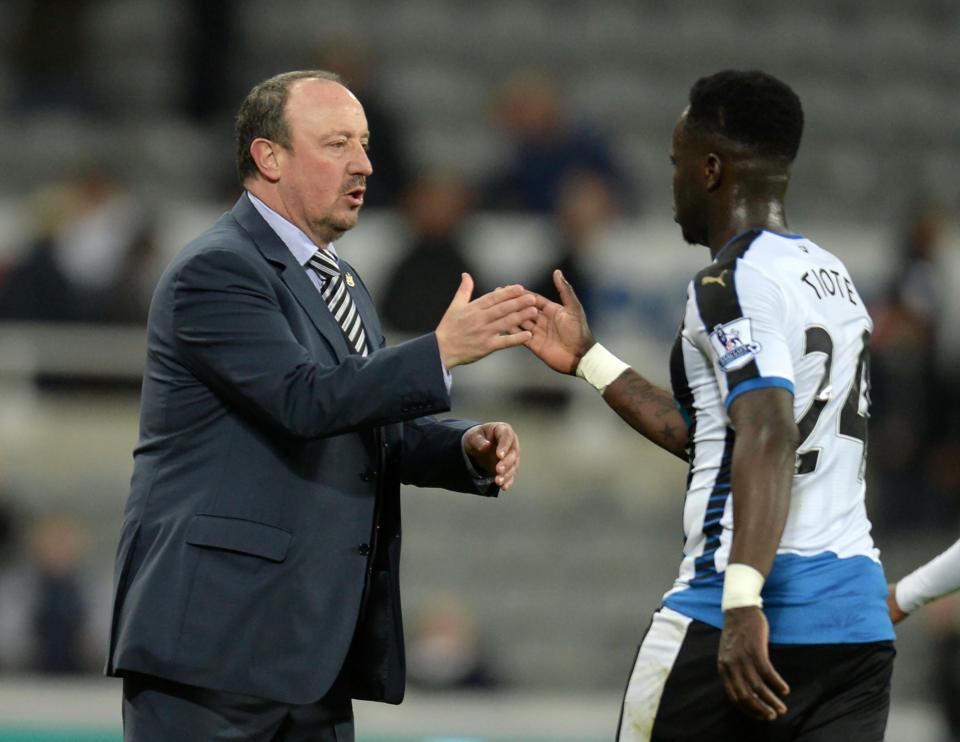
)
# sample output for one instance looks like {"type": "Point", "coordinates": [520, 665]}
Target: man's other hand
{"type": "Point", "coordinates": [748, 677]}
{"type": "Point", "coordinates": [470, 330]}
{"type": "Point", "coordinates": [559, 334]}
{"type": "Point", "coordinates": [495, 450]}
{"type": "Point", "coordinates": [896, 612]}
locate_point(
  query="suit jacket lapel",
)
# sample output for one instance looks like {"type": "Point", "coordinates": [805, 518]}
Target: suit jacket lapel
{"type": "Point", "coordinates": [292, 274]}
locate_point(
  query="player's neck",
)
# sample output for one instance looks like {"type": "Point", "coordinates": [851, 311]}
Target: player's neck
{"type": "Point", "coordinates": [741, 215]}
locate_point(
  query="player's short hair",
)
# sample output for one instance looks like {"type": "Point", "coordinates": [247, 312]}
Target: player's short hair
{"type": "Point", "coordinates": [262, 115]}
{"type": "Point", "coordinates": [751, 108]}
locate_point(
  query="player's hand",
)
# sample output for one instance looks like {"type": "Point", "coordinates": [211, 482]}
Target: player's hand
{"type": "Point", "coordinates": [470, 330]}
{"type": "Point", "coordinates": [495, 450]}
{"type": "Point", "coordinates": [896, 613]}
{"type": "Point", "coordinates": [560, 335]}
{"type": "Point", "coordinates": [748, 677]}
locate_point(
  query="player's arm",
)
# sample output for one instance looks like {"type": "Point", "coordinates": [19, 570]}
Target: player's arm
{"type": "Point", "coordinates": [764, 457]}
{"type": "Point", "coordinates": [561, 338]}
{"type": "Point", "coordinates": [938, 577]}
{"type": "Point", "coordinates": [762, 472]}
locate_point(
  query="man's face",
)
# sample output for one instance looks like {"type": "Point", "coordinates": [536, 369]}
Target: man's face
{"type": "Point", "coordinates": [323, 172]}
{"type": "Point", "coordinates": [689, 192]}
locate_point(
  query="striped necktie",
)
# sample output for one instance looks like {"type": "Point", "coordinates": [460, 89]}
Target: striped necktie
{"type": "Point", "coordinates": [339, 301]}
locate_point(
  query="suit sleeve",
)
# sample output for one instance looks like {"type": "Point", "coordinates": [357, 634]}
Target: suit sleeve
{"type": "Point", "coordinates": [433, 456]}
{"type": "Point", "coordinates": [230, 332]}
{"type": "Point", "coordinates": [745, 316]}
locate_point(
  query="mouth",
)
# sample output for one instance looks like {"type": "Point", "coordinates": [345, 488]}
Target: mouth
{"type": "Point", "coordinates": [355, 197]}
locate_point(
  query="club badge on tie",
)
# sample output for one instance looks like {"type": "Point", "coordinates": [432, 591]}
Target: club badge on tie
{"type": "Point", "coordinates": [349, 279]}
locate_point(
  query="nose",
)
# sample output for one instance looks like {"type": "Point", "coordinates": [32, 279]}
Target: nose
{"type": "Point", "coordinates": [361, 162]}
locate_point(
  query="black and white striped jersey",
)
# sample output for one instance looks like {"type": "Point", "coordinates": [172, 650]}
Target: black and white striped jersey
{"type": "Point", "coordinates": [777, 310]}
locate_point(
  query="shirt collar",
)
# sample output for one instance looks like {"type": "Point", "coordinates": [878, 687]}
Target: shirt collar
{"type": "Point", "coordinates": [289, 233]}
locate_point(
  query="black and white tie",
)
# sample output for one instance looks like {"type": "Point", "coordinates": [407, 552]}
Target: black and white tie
{"type": "Point", "coordinates": [339, 301]}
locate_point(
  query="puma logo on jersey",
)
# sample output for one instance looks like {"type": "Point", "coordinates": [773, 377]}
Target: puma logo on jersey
{"type": "Point", "coordinates": [715, 279]}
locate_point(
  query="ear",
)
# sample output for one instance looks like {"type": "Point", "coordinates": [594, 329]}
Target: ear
{"type": "Point", "coordinates": [266, 155]}
{"type": "Point", "coordinates": [712, 171]}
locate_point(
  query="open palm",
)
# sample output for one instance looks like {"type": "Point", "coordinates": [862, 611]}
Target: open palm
{"type": "Point", "coordinates": [560, 333]}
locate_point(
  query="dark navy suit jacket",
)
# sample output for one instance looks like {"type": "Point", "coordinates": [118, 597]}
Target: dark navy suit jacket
{"type": "Point", "coordinates": [260, 544]}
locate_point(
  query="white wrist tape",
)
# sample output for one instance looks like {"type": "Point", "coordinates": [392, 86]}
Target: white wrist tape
{"type": "Point", "coordinates": [600, 368]}
{"type": "Point", "coordinates": [940, 576]}
{"type": "Point", "coordinates": [741, 587]}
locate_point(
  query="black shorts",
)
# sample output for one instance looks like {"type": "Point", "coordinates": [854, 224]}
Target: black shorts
{"type": "Point", "coordinates": [838, 692]}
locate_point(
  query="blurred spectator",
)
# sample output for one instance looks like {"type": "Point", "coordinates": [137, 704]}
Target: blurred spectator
{"type": "Point", "coordinates": [6, 527]}
{"type": "Point", "coordinates": [422, 284]}
{"type": "Point", "coordinates": [586, 205]}
{"type": "Point", "coordinates": [35, 287]}
{"type": "Point", "coordinates": [353, 61]}
{"type": "Point", "coordinates": [91, 246]}
{"type": "Point", "coordinates": [58, 611]}
{"type": "Point", "coordinates": [908, 401]}
{"type": "Point", "coordinates": [51, 55]}
{"type": "Point", "coordinates": [917, 284]}
{"type": "Point", "coordinates": [7, 521]}
{"type": "Point", "coordinates": [445, 653]}
{"type": "Point", "coordinates": [45, 624]}
{"type": "Point", "coordinates": [127, 298]}
{"type": "Point", "coordinates": [547, 146]}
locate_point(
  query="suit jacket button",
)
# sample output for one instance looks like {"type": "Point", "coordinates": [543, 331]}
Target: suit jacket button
{"type": "Point", "coordinates": [365, 475]}
{"type": "Point", "coordinates": [364, 549]}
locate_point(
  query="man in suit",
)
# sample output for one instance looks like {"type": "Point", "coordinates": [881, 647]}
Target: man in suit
{"type": "Point", "coordinates": [256, 577]}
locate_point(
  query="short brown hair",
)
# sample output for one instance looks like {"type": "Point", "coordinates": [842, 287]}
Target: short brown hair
{"type": "Point", "coordinates": [262, 115]}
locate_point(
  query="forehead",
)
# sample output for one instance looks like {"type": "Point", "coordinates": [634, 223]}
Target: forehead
{"type": "Point", "coordinates": [679, 131]}
{"type": "Point", "coordinates": [322, 106]}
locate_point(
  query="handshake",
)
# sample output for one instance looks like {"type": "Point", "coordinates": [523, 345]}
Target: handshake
{"type": "Point", "coordinates": [558, 334]}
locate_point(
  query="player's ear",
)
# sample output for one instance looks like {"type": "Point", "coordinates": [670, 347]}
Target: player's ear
{"type": "Point", "coordinates": [712, 170]}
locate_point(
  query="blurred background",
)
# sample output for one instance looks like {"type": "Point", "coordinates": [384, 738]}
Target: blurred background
{"type": "Point", "coordinates": [508, 138]}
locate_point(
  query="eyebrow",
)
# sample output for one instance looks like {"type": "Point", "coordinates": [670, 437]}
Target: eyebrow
{"type": "Point", "coordinates": [348, 134]}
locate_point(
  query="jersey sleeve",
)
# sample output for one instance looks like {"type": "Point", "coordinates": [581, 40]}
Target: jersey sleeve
{"type": "Point", "coordinates": [745, 318]}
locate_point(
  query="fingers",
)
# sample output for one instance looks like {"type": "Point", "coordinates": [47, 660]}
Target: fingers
{"type": "Point", "coordinates": [748, 685]}
{"type": "Point", "coordinates": [498, 295]}
{"type": "Point", "coordinates": [508, 306]}
{"type": "Point", "coordinates": [507, 469]}
{"type": "Point", "coordinates": [515, 319]}
{"type": "Point", "coordinates": [772, 679]}
{"type": "Point", "coordinates": [764, 697]}
{"type": "Point", "coordinates": [753, 698]}
{"type": "Point", "coordinates": [478, 441]}
{"type": "Point", "coordinates": [500, 342]}
{"type": "Point", "coordinates": [559, 281]}
{"type": "Point", "coordinates": [567, 295]}
{"type": "Point", "coordinates": [541, 302]}
{"type": "Point", "coordinates": [506, 440]}
{"type": "Point", "coordinates": [464, 291]}
{"type": "Point", "coordinates": [508, 455]}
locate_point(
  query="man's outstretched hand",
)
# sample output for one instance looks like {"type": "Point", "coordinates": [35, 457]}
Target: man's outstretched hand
{"type": "Point", "coordinates": [495, 450]}
{"type": "Point", "coordinates": [560, 335]}
{"type": "Point", "coordinates": [472, 329]}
